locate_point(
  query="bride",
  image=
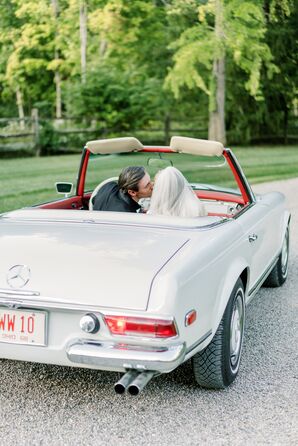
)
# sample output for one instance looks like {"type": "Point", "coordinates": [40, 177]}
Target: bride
{"type": "Point", "coordinates": [172, 195]}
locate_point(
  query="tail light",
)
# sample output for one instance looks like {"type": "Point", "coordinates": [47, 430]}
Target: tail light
{"type": "Point", "coordinates": [136, 326]}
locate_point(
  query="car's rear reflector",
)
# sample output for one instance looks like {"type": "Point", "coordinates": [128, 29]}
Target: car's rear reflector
{"type": "Point", "coordinates": [136, 326]}
{"type": "Point", "coordinates": [190, 317]}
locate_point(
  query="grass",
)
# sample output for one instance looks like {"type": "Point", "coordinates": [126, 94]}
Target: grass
{"type": "Point", "coordinates": [27, 181]}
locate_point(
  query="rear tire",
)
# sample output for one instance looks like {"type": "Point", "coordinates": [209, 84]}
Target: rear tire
{"type": "Point", "coordinates": [279, 273]}
{"type": "Point", "coordinates": [216, 367]}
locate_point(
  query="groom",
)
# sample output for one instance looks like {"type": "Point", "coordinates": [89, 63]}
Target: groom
{"type": "Point", "coordinates": [133, 184]}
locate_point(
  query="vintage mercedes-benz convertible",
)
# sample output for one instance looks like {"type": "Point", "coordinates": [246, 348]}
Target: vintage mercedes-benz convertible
{"type": "Point", "coordinates": [135, 292]}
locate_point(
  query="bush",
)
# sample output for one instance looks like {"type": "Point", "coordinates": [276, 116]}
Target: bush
{"type": "Point", "coordinates": [48, 139]}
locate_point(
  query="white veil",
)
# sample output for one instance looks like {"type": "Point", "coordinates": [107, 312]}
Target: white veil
{"type": "Point", "coordinates": [172, 195]}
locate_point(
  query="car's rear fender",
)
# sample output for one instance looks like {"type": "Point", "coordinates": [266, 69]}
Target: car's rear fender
{"type": "Point", "coordinates": [285, 223]}
{"type": "Point", "coordinates": [238, 268]}
{"type": "Point", "coordinates": [199, 339]}
{"type": "Point", "coordinates": [201, 279]}
{"type": "Point", "coordinates": [276, 203]}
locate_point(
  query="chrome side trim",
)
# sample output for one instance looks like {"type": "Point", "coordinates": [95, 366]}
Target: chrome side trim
{"type": "Point", "coordinates": [200, 341]}
{"type": "Point", "coordinates": [12, 292]}
{"type": "Point", "coordinates": [122, 224]}
{"type": "Point", "coordinates": [124, 356]}
{"type": "Point", "coordinates": [44, 304]}
{"type": "Point", "coordinates": [262, 278]}
{"type": "Point", "coordinates": [48, 303]}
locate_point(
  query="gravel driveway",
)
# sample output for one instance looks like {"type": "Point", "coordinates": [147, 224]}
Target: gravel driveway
{"type": "Point", "coordinates": [49, 405]}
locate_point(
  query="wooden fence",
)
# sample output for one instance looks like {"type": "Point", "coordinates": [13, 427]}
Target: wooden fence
{"type": "Point", "coordinates": [38, 136]}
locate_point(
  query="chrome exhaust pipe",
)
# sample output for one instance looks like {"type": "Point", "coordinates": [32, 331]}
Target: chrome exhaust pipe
{"type": "Point", "coordinates": [126, 379]}
{"type": "Point", "coordinates": [138, 384]}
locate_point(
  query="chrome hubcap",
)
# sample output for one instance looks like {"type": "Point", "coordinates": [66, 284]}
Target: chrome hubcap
{"type": "Point", "coordinates": [236, 329]}
{"type": "Point", "coordinates": [285, 254]}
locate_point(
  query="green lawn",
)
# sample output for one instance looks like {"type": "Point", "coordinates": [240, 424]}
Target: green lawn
{"type": "Point", "coordinates": [26, 181]}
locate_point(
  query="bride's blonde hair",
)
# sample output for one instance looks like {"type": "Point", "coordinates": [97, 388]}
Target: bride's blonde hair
{"type": "Point", "coordinates": [172, 195]}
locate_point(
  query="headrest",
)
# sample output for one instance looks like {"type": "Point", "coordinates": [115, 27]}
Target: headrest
{"type": "Point", "coordinates": [180, 144]}
{"type": "Point", "coordinates": [114, 145]}
{"type": "Point", "coordinates": [195, 146]}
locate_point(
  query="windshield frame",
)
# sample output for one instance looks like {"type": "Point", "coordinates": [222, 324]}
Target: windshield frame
{"type": "Point", "coordinates": [243, 185]}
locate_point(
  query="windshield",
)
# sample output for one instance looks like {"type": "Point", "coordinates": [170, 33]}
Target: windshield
{"type": "Point", "coordinates": [202, 172]}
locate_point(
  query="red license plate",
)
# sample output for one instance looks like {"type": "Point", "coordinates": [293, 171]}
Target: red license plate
{"type": "Point", "coordinates": [23, 326]}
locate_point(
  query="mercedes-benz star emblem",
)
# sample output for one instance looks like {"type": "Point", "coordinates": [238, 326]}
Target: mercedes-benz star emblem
{"type": "Point", "coordinates": [18, 276]}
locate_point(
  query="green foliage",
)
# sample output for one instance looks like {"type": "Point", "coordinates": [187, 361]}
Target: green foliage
{"type": "Point", "coordinates": [192, 60]}
{"type": "Point", "coordinates": [48, 139]}
{"type": "Point", "coordinates": [149, 60]}
{"type": "Point", "coordinates": [243, 41]}
{"type": "Point", "coordinates": [248, 120]}
{"type": "Point", "coordinates": [126, 100]}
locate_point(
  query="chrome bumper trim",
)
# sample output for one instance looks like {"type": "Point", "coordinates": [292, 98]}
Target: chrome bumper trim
{"type": "Point", "coordinates": [125, 356]}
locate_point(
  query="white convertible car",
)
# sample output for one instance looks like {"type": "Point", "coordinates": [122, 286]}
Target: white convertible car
{"type": "Point", "coordinates": [134, 292]}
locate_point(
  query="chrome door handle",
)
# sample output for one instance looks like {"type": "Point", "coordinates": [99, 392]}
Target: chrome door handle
{"type": "Point", "coordinates": [252, 238]}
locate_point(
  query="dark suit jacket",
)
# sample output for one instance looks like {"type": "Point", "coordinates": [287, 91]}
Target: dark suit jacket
{"type": "Point", "coordinates": [110, 198]}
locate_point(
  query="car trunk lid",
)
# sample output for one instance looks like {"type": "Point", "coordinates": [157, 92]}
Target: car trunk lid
{"type": "Point", "coordinates": [102, 265]}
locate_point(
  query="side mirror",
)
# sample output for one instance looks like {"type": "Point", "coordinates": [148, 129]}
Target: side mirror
{"type": "Point", "coordinates": [64, 188]}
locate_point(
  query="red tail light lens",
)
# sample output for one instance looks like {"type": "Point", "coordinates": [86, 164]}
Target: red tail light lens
{"type": "Point", "coordinates": [135, 326]}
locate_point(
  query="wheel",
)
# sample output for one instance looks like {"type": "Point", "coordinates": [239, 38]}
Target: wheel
{"type": "Point", "coordinates": [217, 365]}
{"type": "Point", "coordinates": [279, 273]}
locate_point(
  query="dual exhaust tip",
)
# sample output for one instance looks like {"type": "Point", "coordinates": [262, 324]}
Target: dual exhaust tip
{"type": "Point", "coordinates": [133, 382]}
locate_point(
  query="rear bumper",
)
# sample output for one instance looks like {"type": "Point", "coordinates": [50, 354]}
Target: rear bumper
{"type": "Point", "coordinates": [124, 357]}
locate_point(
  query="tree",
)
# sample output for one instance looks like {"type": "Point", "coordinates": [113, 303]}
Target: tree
{"type": "Point", "coordinates": [280, 92]}
{"type": "Point", "coordinates": [83, 35]}
{"type": "Point", "coordinates": [217, 130]}
{"type": "Point", "coordinates": [9, 25]}
{"type": "Point", "coordinates": [233, 29]}
{"type": "Point", "coordinates": [230, 62]}
{"type": "Point", "coordinates": [31, 50]}
{"type": "Point", "coordinates": [55, 6]}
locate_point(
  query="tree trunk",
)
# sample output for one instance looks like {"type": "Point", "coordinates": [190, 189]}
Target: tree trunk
{"type": "Point", "coordinates": [83, 36]}
{"type": "Point", "coordinates": [103, 48]}
{"type": "Point", "coordinates": [167, 129]}
{"type": "Point", "coordinates": [20, 107]}
{"type": "Point", "coordinates": [35, 122]}
{"type": "Point", "coordinates": [286, 122]}
{"type": "Point", "coordinates": [58, 95]}
{"type": "Point", "coordinates": [216, 130]}
{"type": "Point", "coordinates": [57, 78]}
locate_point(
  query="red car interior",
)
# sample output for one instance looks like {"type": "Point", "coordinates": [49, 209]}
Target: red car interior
{"type": "Point", "coordinates": [81, 200]}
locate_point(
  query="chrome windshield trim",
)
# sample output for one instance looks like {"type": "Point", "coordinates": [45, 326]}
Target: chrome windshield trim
{"type": "Point", "coordinates": [243, 178]}
{"type": "Point", "coordinates": [243, 210]}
